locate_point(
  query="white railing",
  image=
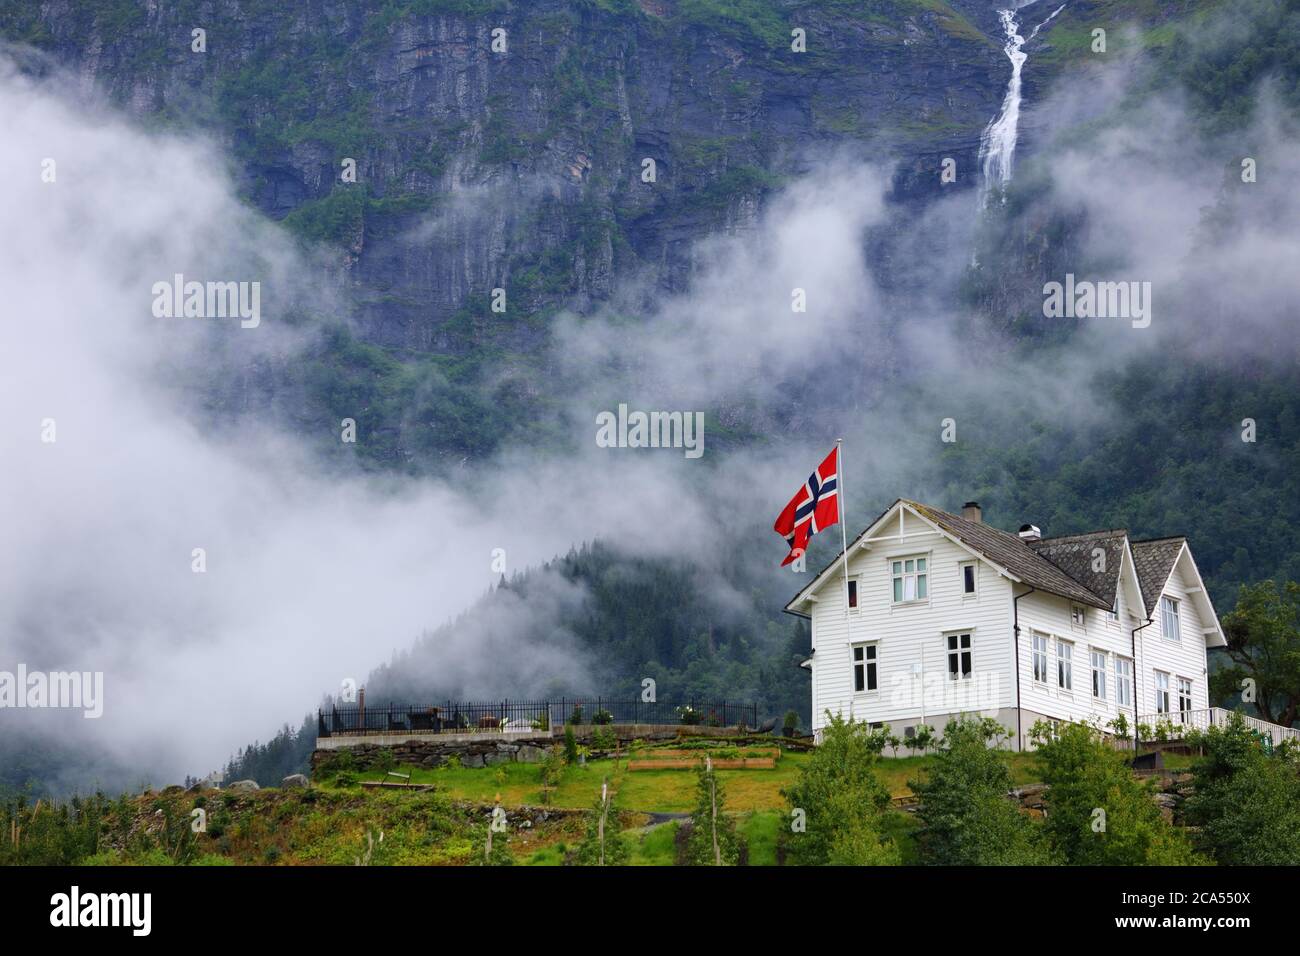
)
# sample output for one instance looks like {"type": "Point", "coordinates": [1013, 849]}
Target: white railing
{"type": "Point", "coordinates": [1218, 717]}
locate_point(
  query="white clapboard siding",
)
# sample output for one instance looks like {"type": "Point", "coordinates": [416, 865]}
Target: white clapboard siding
{"type": "Point", "coordinates": [908, 634]}
{"type": "Point", "coordinates": [912, 636]}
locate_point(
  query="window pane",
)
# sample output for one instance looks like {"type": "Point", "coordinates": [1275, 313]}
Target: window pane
{"type": "Point", "coordinates": [898, 567]}
{"type": "Point", "coordinates": [920, 564]}
{"type": "Point", "coordinates": [909, 589]}
{"type": "Point", "coordinates": [968, 578]}
{"type": "Point", "coordinates": [857, 653]}
{"type": "Point", "coordinates": [871, 652]}
{"type": "Point", "coordinates": [898, 589]}
{"type": "Point", "coordinates": [920, 585]}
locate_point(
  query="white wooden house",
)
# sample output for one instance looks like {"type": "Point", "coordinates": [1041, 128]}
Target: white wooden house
{"type": "Point", "coordinates": [945, 615]}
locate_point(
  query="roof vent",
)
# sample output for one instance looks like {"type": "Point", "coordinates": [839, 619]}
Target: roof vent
{"type": "Point", "coordinates": [971, 511]}
{"type": "Point", "coordinates": [1030, 532]}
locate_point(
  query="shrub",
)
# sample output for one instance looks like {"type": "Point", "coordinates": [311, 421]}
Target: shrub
{"type": "Point", "coordinates": [840, 801]}
{"type": "Point", "coordinates": [968, 818]}
{"type": "Point", "coordinates": [1098, 813]}
{"type": "Point", "coordinates": [1245, 803]}
{"type": "Point", "coordinates": [601, 842]}
{"type": "Point", "coordinates": [604, 739]}
{"type": "Point", "coordinates": [712, 840]}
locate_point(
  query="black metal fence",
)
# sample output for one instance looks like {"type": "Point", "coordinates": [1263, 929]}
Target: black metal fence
{"type": "Point", "coordinates": [525, 716]}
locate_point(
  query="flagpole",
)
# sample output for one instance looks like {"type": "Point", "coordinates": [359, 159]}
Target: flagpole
{"type": "Point", "coordinates": [844, 535]}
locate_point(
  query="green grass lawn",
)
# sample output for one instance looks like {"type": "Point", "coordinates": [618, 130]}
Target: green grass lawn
{"type": "Point", "coordinates": [672, 791]}
{"type": "Point", "coordinates": [664, 791]}
{"type": "Point", "coordinates": [753, 798]}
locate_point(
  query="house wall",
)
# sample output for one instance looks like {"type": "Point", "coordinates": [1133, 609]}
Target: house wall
{"type": "Point", "coordinates": [1183, 658]}
{"type": "Point", "coordinates": [912, 634]}
{"type": "Point", "coordinates": [911, 637]}
{"type": "Point", "coordinates": [1050, 615]}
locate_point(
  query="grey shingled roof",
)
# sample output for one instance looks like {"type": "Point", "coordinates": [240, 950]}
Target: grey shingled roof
{"type": "Point", "coordinates": [1154, 560]}
{"type": "Point", "coordinates": [1073, 554]}
{"type": "Point", "coordinates": [1013, 554]}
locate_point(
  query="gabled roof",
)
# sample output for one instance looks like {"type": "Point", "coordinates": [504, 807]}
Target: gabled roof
{"type": "Point", "coordinates": [1073, 554]}
{"type": "Point", "coordinates": [1155, 561]}
{"type": "Point", "coordinates": [1018, 557]}
{"type": "Point", "coordinates": [1062, 566]}
{"type": "Point", "coordinates": [1001, 549]}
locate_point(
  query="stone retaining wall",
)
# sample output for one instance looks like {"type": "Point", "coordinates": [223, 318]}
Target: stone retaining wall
{"type": "Point", "coordinates": [488, 749]}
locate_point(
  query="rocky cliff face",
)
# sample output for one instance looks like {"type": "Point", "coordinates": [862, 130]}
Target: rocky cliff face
{"type": "Point", "coordinates": [522, 169]}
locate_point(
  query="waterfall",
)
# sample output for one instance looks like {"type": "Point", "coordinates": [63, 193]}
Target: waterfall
{"type": "Point", "coordinates": [998, 144]}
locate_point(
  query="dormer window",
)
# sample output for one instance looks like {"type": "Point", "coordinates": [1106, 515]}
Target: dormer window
{"type": "Point", "coordinates": [910, 579]}
{"type": "Point", "coordinates": [1169, 618]}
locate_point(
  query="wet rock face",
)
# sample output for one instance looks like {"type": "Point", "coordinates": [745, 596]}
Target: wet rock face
{"type": "Point", "coordinates": [523, 170]}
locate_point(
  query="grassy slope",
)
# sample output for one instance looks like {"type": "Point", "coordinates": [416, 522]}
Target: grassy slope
{"type": "Point", "coordinates": [754, 796]}
{"type": "Point", "coordinates": [333, 824]}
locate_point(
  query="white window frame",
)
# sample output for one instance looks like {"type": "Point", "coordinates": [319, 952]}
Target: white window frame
{"type": "Point", "coordinates": [974, 579]}
{"type": "Point", "coordinates": [1065, 666]}
{"type": "Point", "coordinates": [1169, 608]}
{"type": "Point", "coordinates": [869, 663]}
{"type": "Point", "coordinates": [1162, 692]}
{"type": "Point", "coordinates": [854, 592]}
{"type": "Point", "coordinates": [1185, 683]}
{"type": "Point", "coordinates": [1113, 614]}
{"type": "Point", "coordinates": [968, 651]}
{"type": "Point", "coordinates": [1039, 644]}
{"type": "Point", "coordinates": [1098, 673]}
{"type": "Point", "coordinates": [1123, 681]}
{"type": "Point", "coordinates": [1078, 616]}
{"type": "Point", "coordinates": [918, 577]}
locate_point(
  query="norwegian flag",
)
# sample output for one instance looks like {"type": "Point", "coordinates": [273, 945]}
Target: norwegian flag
{"type": "Point", "coordinates": [815, 507]}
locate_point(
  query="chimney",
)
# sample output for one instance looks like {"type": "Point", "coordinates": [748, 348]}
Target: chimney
{"type": "Point", "coordinates": [1030, 532]}
{"type": "Point", "coordinates": [971, 512]}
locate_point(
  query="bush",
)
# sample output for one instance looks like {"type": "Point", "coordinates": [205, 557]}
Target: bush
{"type": "Point", "coordinates": [968, 818]}
{"type": "Point", "coordinates": [1245, 803]}
{"type": "Point", "coordinates": [604, 739]}
{"type": "Point", "coordinates": [570, 745]}
{"type": "Point", "coordinates": [840, 801]}
{"type": "Point", "coordinates": [712, 840]}
{"type": "Point", "coordinates": [593, 848]}
{"type": "Point", "coordinates": [1098, 813]}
